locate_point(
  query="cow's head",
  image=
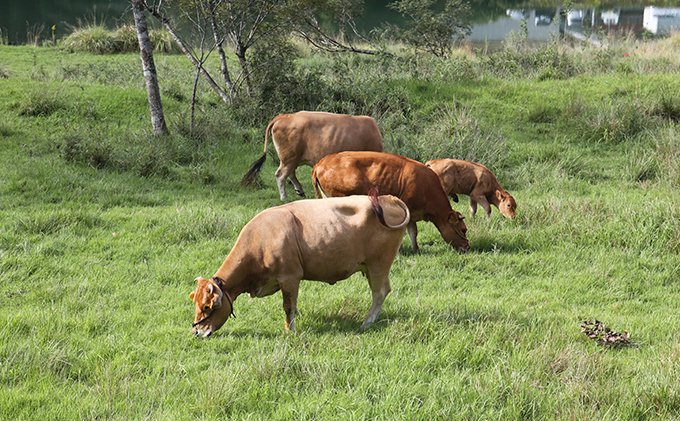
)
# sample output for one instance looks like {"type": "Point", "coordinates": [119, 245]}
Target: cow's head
{"type": "Point", "coordinates": [454, 231]}
{"type": "Point", "coordinates": [213, 306]}
{"type": "Point", "coordinates": [506, 204]}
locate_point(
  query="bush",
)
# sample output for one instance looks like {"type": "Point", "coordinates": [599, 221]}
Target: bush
{"type": "Point", "coordinates": [91, 39]}
{"type": "Point", "coordinates": [544, 62]}
{"type": "Point", "coordinates": [97, 39]}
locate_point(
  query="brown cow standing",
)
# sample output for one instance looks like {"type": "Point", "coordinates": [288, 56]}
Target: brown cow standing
{"type": "Point", "coordinates": [476, 181]}
{"type": "Point", "coordinates": [305, 137]}
{"type": "Point", "coordinates": [348, 173]}
{"type": "Point", "coordinates": [322, 240]}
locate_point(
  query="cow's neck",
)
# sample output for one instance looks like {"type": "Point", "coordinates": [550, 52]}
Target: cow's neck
{"type": "Point", "coordinates": [493, 198]}
{"type": "Point", "coordinates": [234, 273]}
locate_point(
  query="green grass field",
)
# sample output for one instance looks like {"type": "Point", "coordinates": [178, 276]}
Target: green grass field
{"type": "Point", "coordinates": [104, 228]}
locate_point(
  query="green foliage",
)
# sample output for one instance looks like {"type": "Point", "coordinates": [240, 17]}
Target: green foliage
{"type": "Point", "coordinates": [667, 142]}
{"type": "Point", "coordinates": [516, 60]}
{"type": "Point", "coordinates": [91, 39]}
{"type": "Point", "coordinates": [41, 101]}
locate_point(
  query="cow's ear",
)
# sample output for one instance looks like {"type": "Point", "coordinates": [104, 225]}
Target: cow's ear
{"type": "Point", "coordinates": [499, 196]}
{"type": "Point", "coordinates": [192, 295]}
{"type": "Point", "coordinates": [454, 217]}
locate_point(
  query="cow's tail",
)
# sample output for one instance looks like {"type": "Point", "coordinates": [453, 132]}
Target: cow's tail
{"type": "Point", "coordinates": [378, 210]}
{"type": "Point", "coordinates": [248, 179]}
{"type": "Point", "coordinates": [319, 192]}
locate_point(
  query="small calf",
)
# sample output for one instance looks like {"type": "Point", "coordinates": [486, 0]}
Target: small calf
{"type": "Point", "coordinates": [476, 181]}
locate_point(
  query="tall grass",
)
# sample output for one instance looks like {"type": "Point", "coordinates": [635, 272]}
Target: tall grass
{"type": "Point", "coordinates": [103, 228]}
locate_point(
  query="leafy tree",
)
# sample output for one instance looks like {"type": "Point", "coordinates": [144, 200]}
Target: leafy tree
{"type": "Point", "coordinates": [430, 31]}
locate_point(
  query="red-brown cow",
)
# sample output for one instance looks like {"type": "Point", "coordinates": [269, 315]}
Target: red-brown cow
{"type": "Point", "coordinates": [322, 240]}
{"type": "Point", "coordinates": [348, 173]}
{"type": "Point", "coordinates": [305, 137]}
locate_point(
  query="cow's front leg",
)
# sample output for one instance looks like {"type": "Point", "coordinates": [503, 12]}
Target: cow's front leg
{"type": "Point", "coordinates": [481, 199]}
{"type": "Point", "coordinates": [289, 290]}
{"type": "Point", "coordinates": [296, 184]}
{"type": "Point", "coordinates": [413, 235]}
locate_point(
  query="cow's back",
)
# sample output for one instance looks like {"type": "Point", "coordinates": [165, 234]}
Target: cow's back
{"type": "Point", "coordinates": [326, 239]}
{"type": "Point", "coordinates": [462, 177]}
{"type": "Point", "coordinates": [308, 136]}
{"type": "Point", "coordinates": [348, 173]}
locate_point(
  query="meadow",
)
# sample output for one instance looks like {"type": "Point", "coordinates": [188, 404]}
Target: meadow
{"type": "Point", "coordinates": [104, 227]}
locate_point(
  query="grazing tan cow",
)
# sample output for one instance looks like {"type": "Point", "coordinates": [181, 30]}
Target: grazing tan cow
{"type": "Point", "coordinates": [476, 181]}
{"type": "Point", "coordinates": [305, 137]}
{"type": "Point", "coordinates": [321, 240]}
{"type": "Point", "coordinates": [348, 173]}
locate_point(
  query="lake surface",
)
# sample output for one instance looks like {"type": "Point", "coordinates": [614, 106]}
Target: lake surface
{"type": "Point", "coordinates": [491, 21]}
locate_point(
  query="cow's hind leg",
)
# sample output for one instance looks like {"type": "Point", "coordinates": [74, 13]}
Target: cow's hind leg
{"type": "Point", "coordinates": [379, 282]}
{"type": "Point", "coordinates": [473, 207]}
{"type": "Point", "coordinates": [282, 173]}
{"type": "Point", "coordinates": [413, 235]}
{"type": "Point", "coordinates": [296, 184]}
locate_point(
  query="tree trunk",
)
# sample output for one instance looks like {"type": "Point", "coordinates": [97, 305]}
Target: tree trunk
{"type": "Point", "coordinates": [241, 54]}
{"type": "Point", "coordinates": [149, 67]}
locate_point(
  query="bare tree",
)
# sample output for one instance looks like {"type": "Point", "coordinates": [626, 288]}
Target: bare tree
{"type": "Point", "coordinates": [245, 23]}
{"type": "Point", "coordinates": [149, 67]}
{"type": "Point", "coordinates": [158, 13]}
{"type": "Point", "coordinates": [218, 35]}
{"type": "Point", "coordinates": [303, 18]}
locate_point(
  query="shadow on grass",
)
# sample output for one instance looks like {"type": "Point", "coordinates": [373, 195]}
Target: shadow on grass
{"type": "Point", "coordinates": [349, 321]}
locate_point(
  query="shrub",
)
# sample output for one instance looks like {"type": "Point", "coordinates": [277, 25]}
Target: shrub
{"type": "Point", "coordinates": [517, 60]}
{"type": "Point", "coordinates": [162, 42]}
{"type": "Point", "coordinates": [97, 39]}
{"type": "Point", "coordinates": [667, 107]}
{"type": "Point", "coordinates": [126, 39]}
{"type": "Point", "coordinates": [91, 39]}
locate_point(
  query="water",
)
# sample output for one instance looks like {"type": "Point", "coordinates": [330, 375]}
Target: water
{"type": "Point", "coordinates": [22, 19]}
{"type": "Point", "coordinates": [588, 24]}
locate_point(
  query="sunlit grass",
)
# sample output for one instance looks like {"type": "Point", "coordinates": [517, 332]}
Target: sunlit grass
{"type": "Point", "coordinates": [103, 229]}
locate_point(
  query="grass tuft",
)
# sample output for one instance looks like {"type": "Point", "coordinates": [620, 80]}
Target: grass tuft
{"type": "Point", "coordinates": [459, 134]}
{"type": "Point", "coordinates": [98, 39]}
